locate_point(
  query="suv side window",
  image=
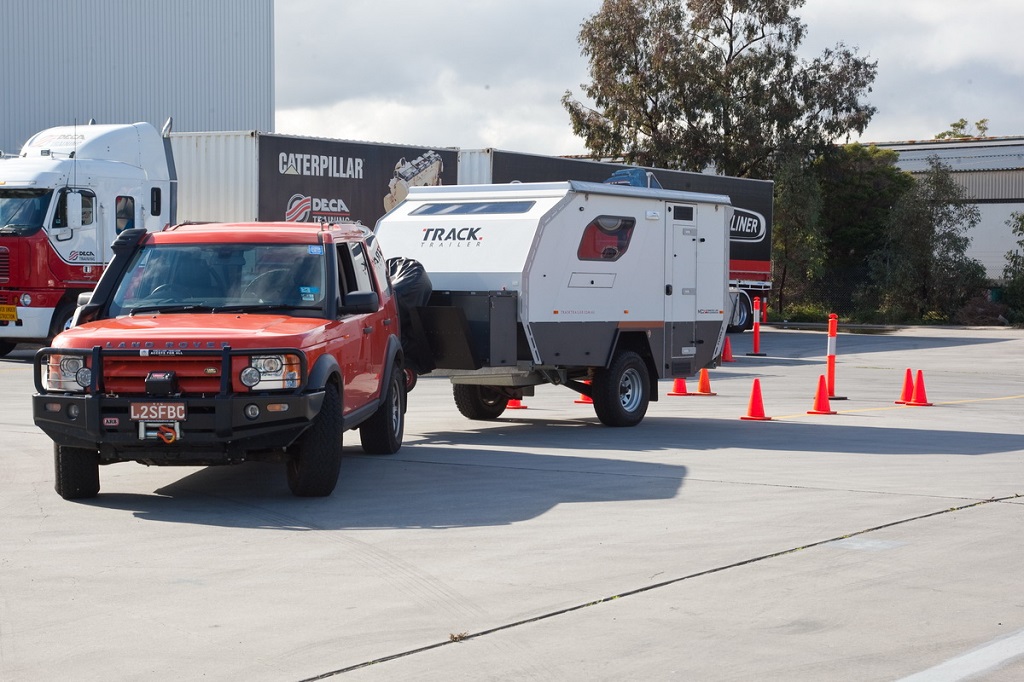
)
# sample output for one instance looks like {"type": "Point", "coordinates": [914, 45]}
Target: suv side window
{"type": "Point", "coordinates": [379, 265]}
{"type": "Point", "coordinates": [361, 265]}
{"type": "Point", "coordinates": [353, 268]}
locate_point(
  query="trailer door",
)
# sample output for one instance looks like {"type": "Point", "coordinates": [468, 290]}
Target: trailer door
{"type": "Point", "coordinates": [680, 287]}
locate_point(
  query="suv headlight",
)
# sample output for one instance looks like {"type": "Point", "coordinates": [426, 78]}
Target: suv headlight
{"type": "Point", "coordinates": [66, 373]}
{"type": "Point", "coordinates": [271, 372]}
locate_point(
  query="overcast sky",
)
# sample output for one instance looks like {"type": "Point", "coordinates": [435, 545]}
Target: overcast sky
{"type": "Point", "coordinates": [490, 73]}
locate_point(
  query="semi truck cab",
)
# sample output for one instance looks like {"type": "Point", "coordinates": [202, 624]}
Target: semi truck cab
{"type": "Point", "coordinates": [63, 200]}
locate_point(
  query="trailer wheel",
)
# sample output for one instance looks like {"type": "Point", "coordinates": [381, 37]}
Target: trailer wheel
{"type": "Point", "coordinates": [314, 462]}
{"type": "Point", "coordinates": [382, 433]}
{"type": "Point", "coordinates": [77, 472]}
{"type": "Point", "coordinates": [479, 402]}
{"type": "Point", "coordinates": [622, 392]}
{"type": "Point", "coordinates": [410, 379]}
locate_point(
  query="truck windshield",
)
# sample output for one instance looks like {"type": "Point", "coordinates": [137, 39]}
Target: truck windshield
{"type": "Point", "coordinates": [222, 277]}
{"type": "Point", "coordinates": [22, 211]}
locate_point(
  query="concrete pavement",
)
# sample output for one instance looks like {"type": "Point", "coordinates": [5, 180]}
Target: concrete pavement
{"type": "Point", "coordinates": [879, 543]}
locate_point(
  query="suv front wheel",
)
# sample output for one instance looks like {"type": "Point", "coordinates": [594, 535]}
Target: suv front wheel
{"type": "Point", "coordinates": [314, 462]}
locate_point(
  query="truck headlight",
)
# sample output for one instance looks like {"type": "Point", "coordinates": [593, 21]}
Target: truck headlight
{"type": "Point", "coordinates": [25, 300]}
{"type": "Point", "coordinates": [271, 372]}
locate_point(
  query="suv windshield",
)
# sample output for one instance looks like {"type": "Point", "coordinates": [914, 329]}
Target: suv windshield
{"type": "Point", "coordinates": [22, 211]}
{"type": "Point", "coordinates": [217, 277]}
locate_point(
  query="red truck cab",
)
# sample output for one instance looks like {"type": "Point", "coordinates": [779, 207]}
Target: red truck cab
{"type": "Point", "coordinates": [218, 344]}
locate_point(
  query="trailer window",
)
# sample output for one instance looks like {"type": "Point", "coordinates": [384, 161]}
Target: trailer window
{"type": "Point", "coordinates": [606, 238]}
{"type": "Point", "coordinates": [475, 208]}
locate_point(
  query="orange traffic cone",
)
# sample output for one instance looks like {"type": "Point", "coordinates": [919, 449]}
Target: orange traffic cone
{"type": "Point", "coordinates": [821, 405]}
{"type": "Point", "coordinates": [727, 351]}
{"type": "Point", "coordinates": [679, 387]}
{"type": "Point", "coordinates": [908, 389]}
{"type": "Point", "coordinates": [704, 384]}
{"type": "Point", "coordinates": [920, 398]}
{"type": "Point", "coordinates": [755, 408]}
{"type": "Point", "coordinates": [584, 399]}
{"type": "Point", "coordinates": [515, 404]}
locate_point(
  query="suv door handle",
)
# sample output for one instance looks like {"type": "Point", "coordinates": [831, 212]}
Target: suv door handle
{"type": "Point", "coordinates": [367, 330]}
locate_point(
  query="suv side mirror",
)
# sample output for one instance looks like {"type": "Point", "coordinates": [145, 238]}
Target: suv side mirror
{"type": "Point", "coordinates": [359, 302]}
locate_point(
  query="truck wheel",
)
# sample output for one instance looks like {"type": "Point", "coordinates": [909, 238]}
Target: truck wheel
{"type": "Point", "coordinates": [61, 320]}
{"type": "Point", "coordinates": [314, 462]}
{"type": "Point", "coordinates": [77, 472]}
{"type": "Point", "coordinates": [743, 317]}
{"type": "Point", "coordinates": [382, 433]}
{"type": "Point", "coordinates": [479, 402]}
{"type": "Point", "coordinates": [6, 347]}
{"type": "Point", "coordinates": [622, 392]}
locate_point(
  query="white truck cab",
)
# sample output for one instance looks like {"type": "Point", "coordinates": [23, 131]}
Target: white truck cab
{"type": "Point", "coordinates": [63, 200]}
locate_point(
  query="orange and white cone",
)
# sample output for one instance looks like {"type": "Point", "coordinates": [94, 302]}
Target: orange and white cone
{"type": "Point", "coordinates": [704, 384]}
{"type": "Point", "coordinates": [515, 404]}
{"type": "Point", "coordinates": [821, 405]}
{"type": "Point", "coordinates": [755, 408]}
{"type": "Point", "coordinates": [584, 399]}
{"type": "Point", "coordinates": [920, 398]}
{"type": "Point", "coordinates": [727, 352]}
{"type": "Point", "coordinates": [908, 388]}
{"type": "Point", "coordinates": [679, 387]}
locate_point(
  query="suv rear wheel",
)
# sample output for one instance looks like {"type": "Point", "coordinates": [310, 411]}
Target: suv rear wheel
{"type": "Point", "coordinates": [382, 433]}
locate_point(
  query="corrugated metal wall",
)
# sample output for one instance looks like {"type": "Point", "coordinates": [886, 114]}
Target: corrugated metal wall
{"type": "Point", "coordinates": [1003, 186]}
{"type": "Point", "coordinates": [207, 63]}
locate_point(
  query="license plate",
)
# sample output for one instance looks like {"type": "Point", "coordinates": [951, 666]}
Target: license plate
{"type": "Point", "coordinates": [158, 412]}
{"type": "Point", "coordinates": [8, 313]}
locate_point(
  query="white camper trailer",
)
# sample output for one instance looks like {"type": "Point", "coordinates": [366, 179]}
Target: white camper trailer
{"type": "Point", "coordinates": [601, 288]}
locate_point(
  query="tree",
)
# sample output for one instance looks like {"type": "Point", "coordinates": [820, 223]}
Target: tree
{"type": "Point", "coordinates": [922, 272]}
{"type": "Point", "coordinates": [859, 186]}
{"type": "Point", "coordinates": [1013, 271]}
{"type": "Point", "coordinates": [958, 130]}
{"type": "Point", "coordinates": [797, 250]}
{"type": "Point", "coordinates": [691, 84]}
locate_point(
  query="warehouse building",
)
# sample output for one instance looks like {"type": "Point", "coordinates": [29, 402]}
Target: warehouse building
{"type": "Point", "coordinates": [209, 65]}
{"type": "Point", "coordinates": [991, 169]}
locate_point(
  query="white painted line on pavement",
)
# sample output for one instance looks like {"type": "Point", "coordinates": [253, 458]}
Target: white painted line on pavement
{"type": "Point", "coordinates": [972, 663]}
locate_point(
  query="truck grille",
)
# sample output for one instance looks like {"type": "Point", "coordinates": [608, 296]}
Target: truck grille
{"type": "Point", "coordinates": [196, 374]}
{"type": "Point", "coordinates": [5, 265]}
